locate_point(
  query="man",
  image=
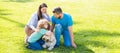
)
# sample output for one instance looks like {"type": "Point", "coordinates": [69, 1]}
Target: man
{"type": "Point", "coordinates": [62, 22]}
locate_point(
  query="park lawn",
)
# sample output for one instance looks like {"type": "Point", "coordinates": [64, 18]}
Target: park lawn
{"type": "Point", "coordinates": [96, 25]}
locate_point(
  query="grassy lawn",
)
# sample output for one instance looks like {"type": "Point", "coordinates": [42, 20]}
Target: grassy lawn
{"type": "Point", "coordinates": [96, 25]}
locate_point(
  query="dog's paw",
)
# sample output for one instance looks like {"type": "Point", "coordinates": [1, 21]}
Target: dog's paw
{"type": "Point", "coordinates": [50, 48]}
{"type": "Point", "coordinates": [44, 46]}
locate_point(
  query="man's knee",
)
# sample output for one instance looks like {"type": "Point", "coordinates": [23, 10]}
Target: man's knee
{"type": "Point", "coordinates": [58, 26]}
{"type": "Point", "coordinates": [67, 42]}
{"type": "Point", "coordinates": [67, 39]}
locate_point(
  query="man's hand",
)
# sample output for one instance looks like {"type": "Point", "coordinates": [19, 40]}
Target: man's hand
{"type": "Point", "coordinates": [72, 36]}
{"type": "Point", "coordinates": [74, 45]}
{"type": "Point", "coordinates": [52, 27]}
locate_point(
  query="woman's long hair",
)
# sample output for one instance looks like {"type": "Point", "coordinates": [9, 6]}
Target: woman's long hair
{"type": "Point", "coordinates": [39, 13]}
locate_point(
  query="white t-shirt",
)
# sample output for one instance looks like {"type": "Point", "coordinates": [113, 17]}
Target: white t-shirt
{"type": "Point", "coordinates": [32, 23]}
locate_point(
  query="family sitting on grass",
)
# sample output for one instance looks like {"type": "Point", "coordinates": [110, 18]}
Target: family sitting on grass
{"type": "Point", "coordinates": [40, 34]}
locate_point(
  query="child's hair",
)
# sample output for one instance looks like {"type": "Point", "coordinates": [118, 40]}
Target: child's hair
{"type": "Point", "coordinates": [43, 22]}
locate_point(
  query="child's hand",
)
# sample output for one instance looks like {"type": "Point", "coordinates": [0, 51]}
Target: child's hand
{"type": "Point", "coordinates": [36, 30]}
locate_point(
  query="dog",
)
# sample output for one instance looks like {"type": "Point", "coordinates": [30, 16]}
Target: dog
{"type": "Point", "coordinates": [49, 39]}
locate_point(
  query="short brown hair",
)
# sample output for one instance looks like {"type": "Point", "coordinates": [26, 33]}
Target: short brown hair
{"type": "Point", "coordinates": [57, 10]}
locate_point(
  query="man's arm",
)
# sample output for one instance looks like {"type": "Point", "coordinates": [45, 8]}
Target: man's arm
{"type": "Point", "coordinates": [72, 36]}
{"type": "Point", "coordinates": [52, 27]}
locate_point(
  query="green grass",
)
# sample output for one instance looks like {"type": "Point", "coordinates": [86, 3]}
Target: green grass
{"type": "Point", "coordinates": [96, 25]}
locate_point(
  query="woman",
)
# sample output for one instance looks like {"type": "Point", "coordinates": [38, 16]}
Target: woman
{"type": "Point", "coordinates": [31, 25]}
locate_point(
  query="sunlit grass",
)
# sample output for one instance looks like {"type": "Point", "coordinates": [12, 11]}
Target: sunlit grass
{"type": "Point", "coordinates": [96, 25]}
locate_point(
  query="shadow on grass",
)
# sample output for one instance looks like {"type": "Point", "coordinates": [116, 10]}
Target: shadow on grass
{"type": "Point", "coordinates": [63, 49]}
{"type": "Point", "coordinates": [83, 37]}
{"type": "Point", "coordinates": [94, 43]}
{"type": "Point", "coordinates": [79, 49]}
{"type": "Point", "coordinates": [86, 33]}
{"type": "Point", "coordinates": [17, 0]}
{"type": "Point", "coordinates": [16, 22]}
{"type": "Point", "coordinates": [3, 14]}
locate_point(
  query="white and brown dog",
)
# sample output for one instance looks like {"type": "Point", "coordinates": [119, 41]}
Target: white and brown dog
{"type": "Point", "coordinates": [49, 39]}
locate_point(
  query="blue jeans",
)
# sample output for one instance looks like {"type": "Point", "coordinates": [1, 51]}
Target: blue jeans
{"type": "Point", "coordinates": [66, 35]}
{"type": "Point", "coordinates": [36, 45]}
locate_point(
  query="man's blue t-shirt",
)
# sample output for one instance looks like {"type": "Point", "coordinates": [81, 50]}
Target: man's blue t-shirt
{"type": "Point", "coordinates": [65, 21]}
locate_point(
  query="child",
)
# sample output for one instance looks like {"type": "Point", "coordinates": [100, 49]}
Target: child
{"type": "Point", "coordinates": [34, 41]}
